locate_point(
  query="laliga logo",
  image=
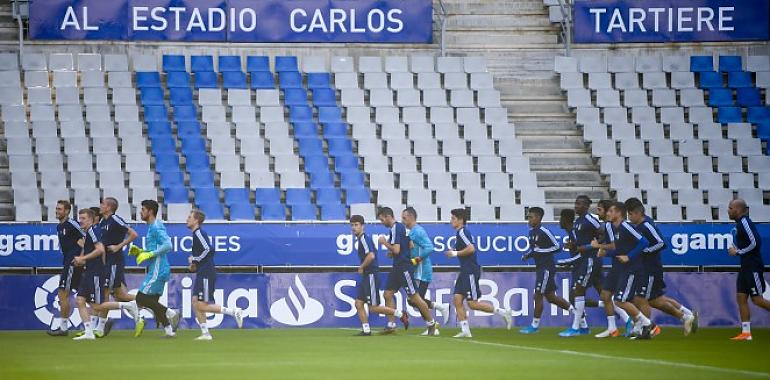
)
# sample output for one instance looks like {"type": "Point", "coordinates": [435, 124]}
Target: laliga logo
{"type": "Point", "coordinates": [302, 311]}
{"type": "Point", "coordinates": [46, 296]}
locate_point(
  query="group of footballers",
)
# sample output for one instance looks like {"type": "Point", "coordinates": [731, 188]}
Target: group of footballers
{"type": "Point", "coordinates": [621, 231]}
{"type": "Point", "coordinates": [94, 265]}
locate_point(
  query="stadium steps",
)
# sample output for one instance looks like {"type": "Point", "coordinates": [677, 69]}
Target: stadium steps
{"type": "Point", "coordinates": [6, 194]}
{"type": "Point", "coordinates": [9, 30]}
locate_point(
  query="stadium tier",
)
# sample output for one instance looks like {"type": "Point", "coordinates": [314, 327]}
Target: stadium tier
{"type": "Point", "coordinates": [245, 138]}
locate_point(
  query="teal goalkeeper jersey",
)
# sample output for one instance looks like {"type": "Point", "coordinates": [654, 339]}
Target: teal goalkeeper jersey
{"type": "Point", "coordinates": [158, 242]}
{"type": "Point", "coordinates": [423, 247]}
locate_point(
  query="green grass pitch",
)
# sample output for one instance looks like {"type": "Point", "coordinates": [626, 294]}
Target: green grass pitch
{"type": "Point", "coordinates": [337, 354]}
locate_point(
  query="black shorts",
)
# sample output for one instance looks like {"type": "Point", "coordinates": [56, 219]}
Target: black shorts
{"type": "Point", "coordinates": [203, 288]}
{"type": "Point", "coordinates": [467, 285]}
{"type": "Point", "coordinates": [610, 281]}
{"type": "Point", "coordinates": [422, 288]}
{"type": "Point", "coordinates": [115, 276]}
{"type": "Point", "coordinates": [545, 282]}
{"type": "Point", "coordinates": [651, 285]}
{"type": "Point", "coordinates": [70, 277]}
{"type": "Point", "coordinates": [628, 284]}
{"type": "Point", "coordinates": [91, 287]}
{"type": "Point", "coordinates": [401, 278]}
{"type": "Point", "coordinates": [751, 281]}
{"type": "Point", "coordinates": [368, 289]}
{"type": "Point", "coordinates": [587, 272]}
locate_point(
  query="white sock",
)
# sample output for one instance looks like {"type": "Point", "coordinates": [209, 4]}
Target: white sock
{"type": "Point", "coordinates": [430, 323]}
{"type": "Point", "coordinates": [89, 328]}
{"type": "Point", "coordinates": [643, 320]}
{"type": "Point", "coordinates": [204, 328]}
{"type": "Point", "coordinates": [398, 313]}
{"type": "Point", "coordinates": [746, 327]}
{"type": "Point", "coordinates": [499, 311]}
{"type": "Point", "coordinates": [611, 323]}
{"type": "Point", "coordinates": [535, 322]}
{"type": "Point", "coordinates": [685, 310]}
{"type": "Point", "coordinates": [621, 313]}
{"type": "Point", "coordinates": [94, 321]}
{"type": "Point", "coordinates": [365, 327]}
{"type": "Point", "coordinates": [169, 330]}
{"type": "Point", "coordinates": [391, 325]}
{"type": "Point", "coordinates": [170, 313]}
{"type": "Point", "coordinates": [100, 326]}
{"type": "Point", "coordinates": [583, 322]}
{"type": "Point", "coordinates": [64, 324]}
{"type": "Point", "coordinates": [580, 306]}
{"type": "Point", "coordinates": [464, 327]}
{"type": "Point", "coordinates": [228, 311]}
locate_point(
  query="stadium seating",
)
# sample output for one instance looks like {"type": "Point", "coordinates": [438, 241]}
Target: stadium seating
{"type": "Point", "coordinates": [678, 139]}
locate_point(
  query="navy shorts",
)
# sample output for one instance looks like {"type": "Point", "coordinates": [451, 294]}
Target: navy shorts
{"type": "Point", "coordinates": [610, 281]}
{"type": "Point", "coordinates": [751, 281]}
{"type": "Point", "coordinates": [203, 288]}
{"type": "Point", "coordinates": [91, 288]}
{"type": "Point", "coordinates": [422, 288]}
{"type": "Point", "coordinates": [628, 285]}
{"type": "Point", "coordinates": [587, 272]}
{"type": "Point", "coordinates": [545, 282]}
{"type": "Point", "coordinates": [70, 277]}
{"type": "Point", "coordinates": [467, 285]}
{"type": "Point", "coordinates": [401, 278]}
{"type": "Point", "coordinates": [115, 276]}
{"type": "Point", "coordinates": [651, 285]}
{"type": "Point", "coordinates": [369, 289]}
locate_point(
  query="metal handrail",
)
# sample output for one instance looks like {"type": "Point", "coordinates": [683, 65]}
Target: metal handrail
{"type": "Point", "coordinates": [442, 15]}
{"type": "Point", "coordinates": [20, 10]}
{"type": "Point", "coordinates": [566, 25]}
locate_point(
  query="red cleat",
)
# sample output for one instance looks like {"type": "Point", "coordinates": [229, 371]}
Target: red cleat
{"type": "Point", "coordinates": [405, 320]}
{"type": "Point", "coordinates": [742, 336]}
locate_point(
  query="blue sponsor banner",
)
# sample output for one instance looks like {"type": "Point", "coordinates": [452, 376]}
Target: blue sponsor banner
{"type": "Point", "coordinates": [252, 244]}
{"type": "Point", "coordinates": [29, 302]}
{"type": "Point", "coordinates": [613, 21]}
{"type": "Point", "coordinates": [336, 21]}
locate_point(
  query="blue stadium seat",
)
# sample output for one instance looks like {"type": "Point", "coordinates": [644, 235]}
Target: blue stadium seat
{"type": "Point", "coordinates": [242, 211]}
{"type": "Point", "coordinates": [262, 80]}
{"type": "Point", "coordinates": [699, 63]}
{"type": "Point", "coordinates": [163, 143]}
{"type": "Point", "coordinates": [266, 196]}
{"type": "Point", "coordinates": [329, 114]}
{"type": "Point", "coordinates": [171, 178]}
{"type": "Point", "coordinates": [758, 115]}
{"type": "Point", "coordinates": [304, 212]}
{"type": "Point", "coordinates": [272, 212]}
{"type": "Point", "coordinates": [711, 79]}
{"type": "Point", "coordinates": [237, 196]}
{"type": "Point", "coordinates": [197, 161]}
{"type": "Point", "coordinates": [298, 197]}
{"type": "Point", "coordinates": [319, 80]}
{"type": "Point", "coordinates": [193, 144]}
{"type": "Point", "coordinates": [201, 179]}
{"type": "Point", "coordinates": [729, 115]}
{"type": "Point", "coordinates": [749, 97]}
{"type": "Point", "coordinates": [229, 63]}
{"type": "Point", "coordinates": [206, 79]}
{"type": "Point", "coordinates": [295, 97]}
{"type": "Point", "coordinates": [188, 128]}
{"type": "Point", "coordinates": [147, 79]}
{"type": "Point", "coordinates": [324, 97]}
{"type": "Point", "coordinates": [730, 63]}
{"type": "Point", "coordinates": [340, 146]}
{"type": "Point", "coordinates": [333, 130]}
{"type": "Point", "coordinates": [213, 210]}
{"type": "Point", "coordinates": [290, 80]}
{"type": "Point", "coordinates": [286, 63]}
{"type": "Point", "coordinates": [178, 79]}
{"type": "Point", "coordinates": [257, 63]}
{"type": "Point", "coordinates": [346, 163]}
{"type": "Point", "coordinates": [173, 63]}
{"type": "Point", "coordinates": [720, 97]}
{"type": "Point", "coordinates": [328, 196]}
{"type": "Point", "coordinates": [234, 79]}
{"type": "Point", "coordinates": [321, 180]}
{"type": "Point", "coordinates": [740, 79]}
{"type": "Point", "coordinates": [180, 96]}
{"type": "Point", "coordinates": [763, 130]}
{"type": "Point", "coordinates": [175, 194]}
{"type": "Point", "coordinates": [300, 113]}
{"type": "Point", "coordinates": [165, 162]}
{"type": "Point", "coordinates": [151, 96]}
{"type": "Point", "coordinates": [185, 113]}
{"type": "Point", "coordinates": [155, 113]}
{"type": "Point", "coordinates": [316, 163]}
{"type": "Point", "coordinates": [357, 195]}
{"type": "Point", "coordinates": [333, 212]}
{"type": "Point", "coordinates": [351, 179]}
{"type": "Point", "coordinates": [305, 129]}
{"type": "Point", "coordinates": [201, 63]}
{"type": "Point", "coordinates": [206, 195]}
{"type": "Point", "coordinates": [159, 128]}
{"type": "Point", "coordinates": [310, 146]}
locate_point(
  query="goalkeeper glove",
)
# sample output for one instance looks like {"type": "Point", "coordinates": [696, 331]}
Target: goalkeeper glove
{"type": "Point", "coordinates": [416, 260]}
{"type": "Point", "coordinates": [144, 256]}
{"type": "Point", "coordinates": [135, 251]}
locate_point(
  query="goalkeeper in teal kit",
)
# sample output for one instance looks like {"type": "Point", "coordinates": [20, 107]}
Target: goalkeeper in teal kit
{"type": "Point", "coordinates": [421, 248]}
{"type": "Point", "coordinates": [157, 245]}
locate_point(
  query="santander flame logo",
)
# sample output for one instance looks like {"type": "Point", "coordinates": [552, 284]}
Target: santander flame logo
{"type": "Point", "coordinates": [299, 309]}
